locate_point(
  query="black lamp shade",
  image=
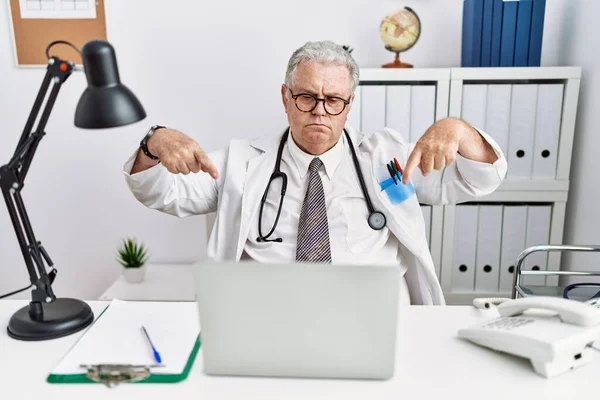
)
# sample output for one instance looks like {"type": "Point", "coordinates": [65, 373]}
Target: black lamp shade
{"type": "Point", "coordinates": [106, 102]}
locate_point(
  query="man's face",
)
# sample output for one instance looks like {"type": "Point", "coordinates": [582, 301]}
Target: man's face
{"type": "Point", "coordinates": [316, 131]}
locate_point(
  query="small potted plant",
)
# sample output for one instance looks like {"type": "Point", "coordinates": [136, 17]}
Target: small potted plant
{"type": "Point", "coordinates": [133, 257]}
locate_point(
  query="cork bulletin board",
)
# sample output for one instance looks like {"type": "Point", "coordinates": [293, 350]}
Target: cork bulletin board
{"type": "Point", "coordinates": [32, 34]}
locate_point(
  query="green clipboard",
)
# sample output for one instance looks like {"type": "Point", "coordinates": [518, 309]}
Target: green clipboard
{"type": "Point", "coordinates": [113, 374]}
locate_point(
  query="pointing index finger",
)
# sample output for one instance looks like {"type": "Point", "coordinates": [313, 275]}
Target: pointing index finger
{"type": "Point", "coordinates": [413, 161]}
{"type": "Point", "coordinates": [206, 164]}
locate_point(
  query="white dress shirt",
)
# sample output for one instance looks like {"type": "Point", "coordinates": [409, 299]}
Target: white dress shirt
{"type": "Point", "coordinates": [352, 240]}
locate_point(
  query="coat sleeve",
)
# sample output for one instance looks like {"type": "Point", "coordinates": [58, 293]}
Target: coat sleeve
{"type": "Point", "coordinates": [177, 194]}
{"type": "Point", "coordinates": [463, 180]}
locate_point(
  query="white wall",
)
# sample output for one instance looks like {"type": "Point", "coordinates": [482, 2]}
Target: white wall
{"type": "Point", "coordinates": [579, 47]}
{"type": "Point", "coordinates": [210, 69]}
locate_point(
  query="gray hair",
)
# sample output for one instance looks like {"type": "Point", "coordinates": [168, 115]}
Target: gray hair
{"type": "Point", "coordinates": [325, 52]}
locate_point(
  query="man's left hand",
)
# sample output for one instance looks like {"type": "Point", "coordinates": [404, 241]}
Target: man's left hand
{"type": "Point", "coordinates": [437, 148]}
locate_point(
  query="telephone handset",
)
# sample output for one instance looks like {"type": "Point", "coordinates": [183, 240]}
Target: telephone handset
{"type": "Point", "coordinates": [556, 334]}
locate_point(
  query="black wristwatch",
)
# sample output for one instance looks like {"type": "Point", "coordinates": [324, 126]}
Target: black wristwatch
{"type": "Point", "coordinates": [144, 142]}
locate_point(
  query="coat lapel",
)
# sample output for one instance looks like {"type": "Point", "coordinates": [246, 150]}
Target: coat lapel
{"type": "Point", "coordinates": [258, 173]}
{"type": "Point", "coordinates": [408, 239]}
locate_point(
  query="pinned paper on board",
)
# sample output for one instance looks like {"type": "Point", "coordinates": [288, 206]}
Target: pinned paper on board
{"type": "Point", "coordinates": [58, 9]}
{"type": "Point", "coordinates": [37, 23]}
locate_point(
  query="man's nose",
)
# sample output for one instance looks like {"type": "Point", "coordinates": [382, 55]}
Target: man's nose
{"type": "Point", "coordinates": [320, 108]}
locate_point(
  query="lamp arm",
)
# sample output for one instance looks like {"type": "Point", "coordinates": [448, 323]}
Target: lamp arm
{"type": "Point", "coordinates": [12, 177]}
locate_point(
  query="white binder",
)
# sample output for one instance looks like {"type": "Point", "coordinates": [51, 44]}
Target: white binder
{"type": "Point", "coordinates": [422, 110]}
{"type": "Point", "coordinates": [497, 119]}
{"type": "Point", "coordinates": [354, 114]}
{"type": "Point", "coordinates": [372, 108]}
{"type": "Point", "coordinates": [426, 209]}
{"type": "Point", "coordinates": [397, 107]}
{"type": "Point", "coordinates": [474, 105]}
{"type": "Point", "coordinates": [489, 234]}
{"type": "Point", "coordinates": [465, 241]}
{"type": "Point", "coordinates": [514, 228]}
{"type": "Point", "coordinates": [538, 232]}
{"type": "Point", "coordinates": [522, 131]}
{"type": "Point", "coordinates": [547, 130]}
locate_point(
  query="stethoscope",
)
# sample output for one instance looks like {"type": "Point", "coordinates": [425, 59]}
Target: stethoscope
{"type": "Point", "coordinates": [376, 219]}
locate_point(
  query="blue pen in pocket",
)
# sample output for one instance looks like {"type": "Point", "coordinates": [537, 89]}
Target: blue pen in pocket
{"type": "Point", "coordinates": [390, 180]}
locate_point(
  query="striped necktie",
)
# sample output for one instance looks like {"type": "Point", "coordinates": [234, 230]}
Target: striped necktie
{"type": "Point", "coordinates": [313, 229]}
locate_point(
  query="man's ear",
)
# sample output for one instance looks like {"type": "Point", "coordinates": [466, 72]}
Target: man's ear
{"type": "Point", "coordinates": [284, 98]}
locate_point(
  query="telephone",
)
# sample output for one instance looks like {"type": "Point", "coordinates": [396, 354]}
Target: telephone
{"type": "Point", "coordinates": [555, 334]}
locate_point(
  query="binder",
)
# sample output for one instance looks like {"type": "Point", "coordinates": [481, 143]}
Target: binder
{"type": "Point", "coordinates": [354, 114]}
{"type": "Point", "coordinates": [538, 232]}
{"type": "Point", "coordinates": [509, 28]}
{"type": "Point", "coordinates": [496, 33]}
{"type": "Point", "coordinates": [523, 33]}
{"type": "Point", "coordinates": [497, 120]}
{"type": "Point", "coordinates": [115, 339]}
{"type": "Point", "coordinates": [547, 130]}
{"type": "Point", "coordinates": [422, 110]}
{"type": "Point", "coordinates": [467, 33]}
{"type": "Point", "coordinates": [489, 235]}
{"type": "Point", "coordinates": [465, 242]}
{"type": "Point", "coordinates": [522, 131]}
{"type": "Point", "coordinates": [486, 33]}
{"type": "Point", "coordinates": [474, 104]}
{"type": "Point", "coordinates": [373, 108]}
{"type": "Point", "coordinates": [513, 243]}
{"type": "Point", "coordinates": [477, 22]}
{"type": "Point", "coordinates": [426, 209]}
{"type": "Point", "coordinates": [397, 109]}
{"type": "Point", "coordinates": [537, 32]}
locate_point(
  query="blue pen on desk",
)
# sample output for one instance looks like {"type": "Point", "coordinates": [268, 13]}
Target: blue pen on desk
{"type": "Point", "coordinates": [154, 351]}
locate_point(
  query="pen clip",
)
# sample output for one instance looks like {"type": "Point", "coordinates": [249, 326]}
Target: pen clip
{"type": "Point", "coordinates": [395, 170]}
{"type": "Point", "coordinates": [391, 171]}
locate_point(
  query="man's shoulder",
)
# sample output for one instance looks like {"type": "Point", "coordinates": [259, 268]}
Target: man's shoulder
{"type": "Point", "coordinates": [384, 136]}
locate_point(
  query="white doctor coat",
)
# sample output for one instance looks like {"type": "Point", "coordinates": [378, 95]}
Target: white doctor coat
{"type": "Point", "coordinates": [246, 165]}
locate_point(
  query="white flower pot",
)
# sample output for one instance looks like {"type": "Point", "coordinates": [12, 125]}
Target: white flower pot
{"type": "Point", "coordinates": [134, 275]}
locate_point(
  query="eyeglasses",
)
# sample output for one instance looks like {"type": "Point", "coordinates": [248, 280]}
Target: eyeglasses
{"type": "Point", "coordinates": [582, 291]}
{"type": "Point", "coordinates": [307, 102]}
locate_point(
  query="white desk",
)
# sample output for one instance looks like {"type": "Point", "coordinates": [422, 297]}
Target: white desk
{"type": "Point", "coordinates": [431, 364]}
{"type": "Point", "coordinates": [163, 282]}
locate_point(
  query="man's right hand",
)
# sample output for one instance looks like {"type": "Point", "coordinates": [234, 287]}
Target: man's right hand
{"type": "Point", "coordinates": [178, 153]}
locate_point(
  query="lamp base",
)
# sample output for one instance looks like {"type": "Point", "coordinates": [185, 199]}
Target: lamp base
{"type": "Point", "coordinates": [60, 318]}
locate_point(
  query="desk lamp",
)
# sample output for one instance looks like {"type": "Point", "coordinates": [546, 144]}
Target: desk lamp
{"type": "Point", "coordinates": [105, 103]}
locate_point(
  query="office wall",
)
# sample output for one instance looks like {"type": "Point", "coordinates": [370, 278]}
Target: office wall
{"type": "Point", "coordinates": [583, 214]}
{"type": "Point", "coordinates": [212, 70]}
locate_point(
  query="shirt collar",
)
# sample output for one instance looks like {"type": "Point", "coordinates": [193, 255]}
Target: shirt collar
{"type": "Point", "coordinates": [331, 158]}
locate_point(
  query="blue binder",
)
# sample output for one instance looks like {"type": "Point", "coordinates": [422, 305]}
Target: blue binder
{"type": "Point", "coordinates": [477, 30]}
{"type": "Point", "coordinates": [496, 33]}
{"type": "Point", "coordinates": [523, 33]}
{"type": "Point", "coordinates": [467, 29]}
{"type": "Point", "coordinates": [537, 31]}
{"type": "Point", "coordinates": [509, 27]}
{"type": "Point", "coordinates": [486, 33]}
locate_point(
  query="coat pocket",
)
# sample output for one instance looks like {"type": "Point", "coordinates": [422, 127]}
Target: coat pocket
{"type": "Point", "coordinates": [360, 237]}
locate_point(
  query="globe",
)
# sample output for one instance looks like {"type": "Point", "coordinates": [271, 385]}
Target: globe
{"type": "Point", "coordinates": [400, 30]}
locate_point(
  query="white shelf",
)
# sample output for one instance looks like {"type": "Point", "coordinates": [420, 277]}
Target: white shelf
{"type": "Point", "coordinates": [523, 196]}
{"type": "Point", "coordinates": [534, 185]}
{"type": "Point", "coordinates": [404, 74]}
{"type": "Point", "coordinates": [163, 282]}
{"type": "Point", "coordinates": [516, 73]}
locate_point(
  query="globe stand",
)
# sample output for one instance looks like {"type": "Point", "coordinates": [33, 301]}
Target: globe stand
{"type": "Point", "coordinates": [397, 63]}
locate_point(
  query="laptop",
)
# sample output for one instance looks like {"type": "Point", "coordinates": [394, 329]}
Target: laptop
{"type": "Point", "coordinates": [298, 320]}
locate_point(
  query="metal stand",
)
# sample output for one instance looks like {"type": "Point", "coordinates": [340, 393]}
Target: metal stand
{"type": "Point", "coordinates": [520, 291]}
{"type": "Point", "coordinates": [46, 317]}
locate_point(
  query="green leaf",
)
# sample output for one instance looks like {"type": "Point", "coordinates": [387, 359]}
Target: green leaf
{"type": "Point", "coordinates": [132, 254]}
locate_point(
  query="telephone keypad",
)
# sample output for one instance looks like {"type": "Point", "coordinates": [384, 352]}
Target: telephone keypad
{"type": "Point", "coordinates": [508, 323]}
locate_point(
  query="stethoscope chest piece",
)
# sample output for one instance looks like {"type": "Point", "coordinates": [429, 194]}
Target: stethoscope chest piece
{"type": "Point", "coordinates": [376, 220]}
